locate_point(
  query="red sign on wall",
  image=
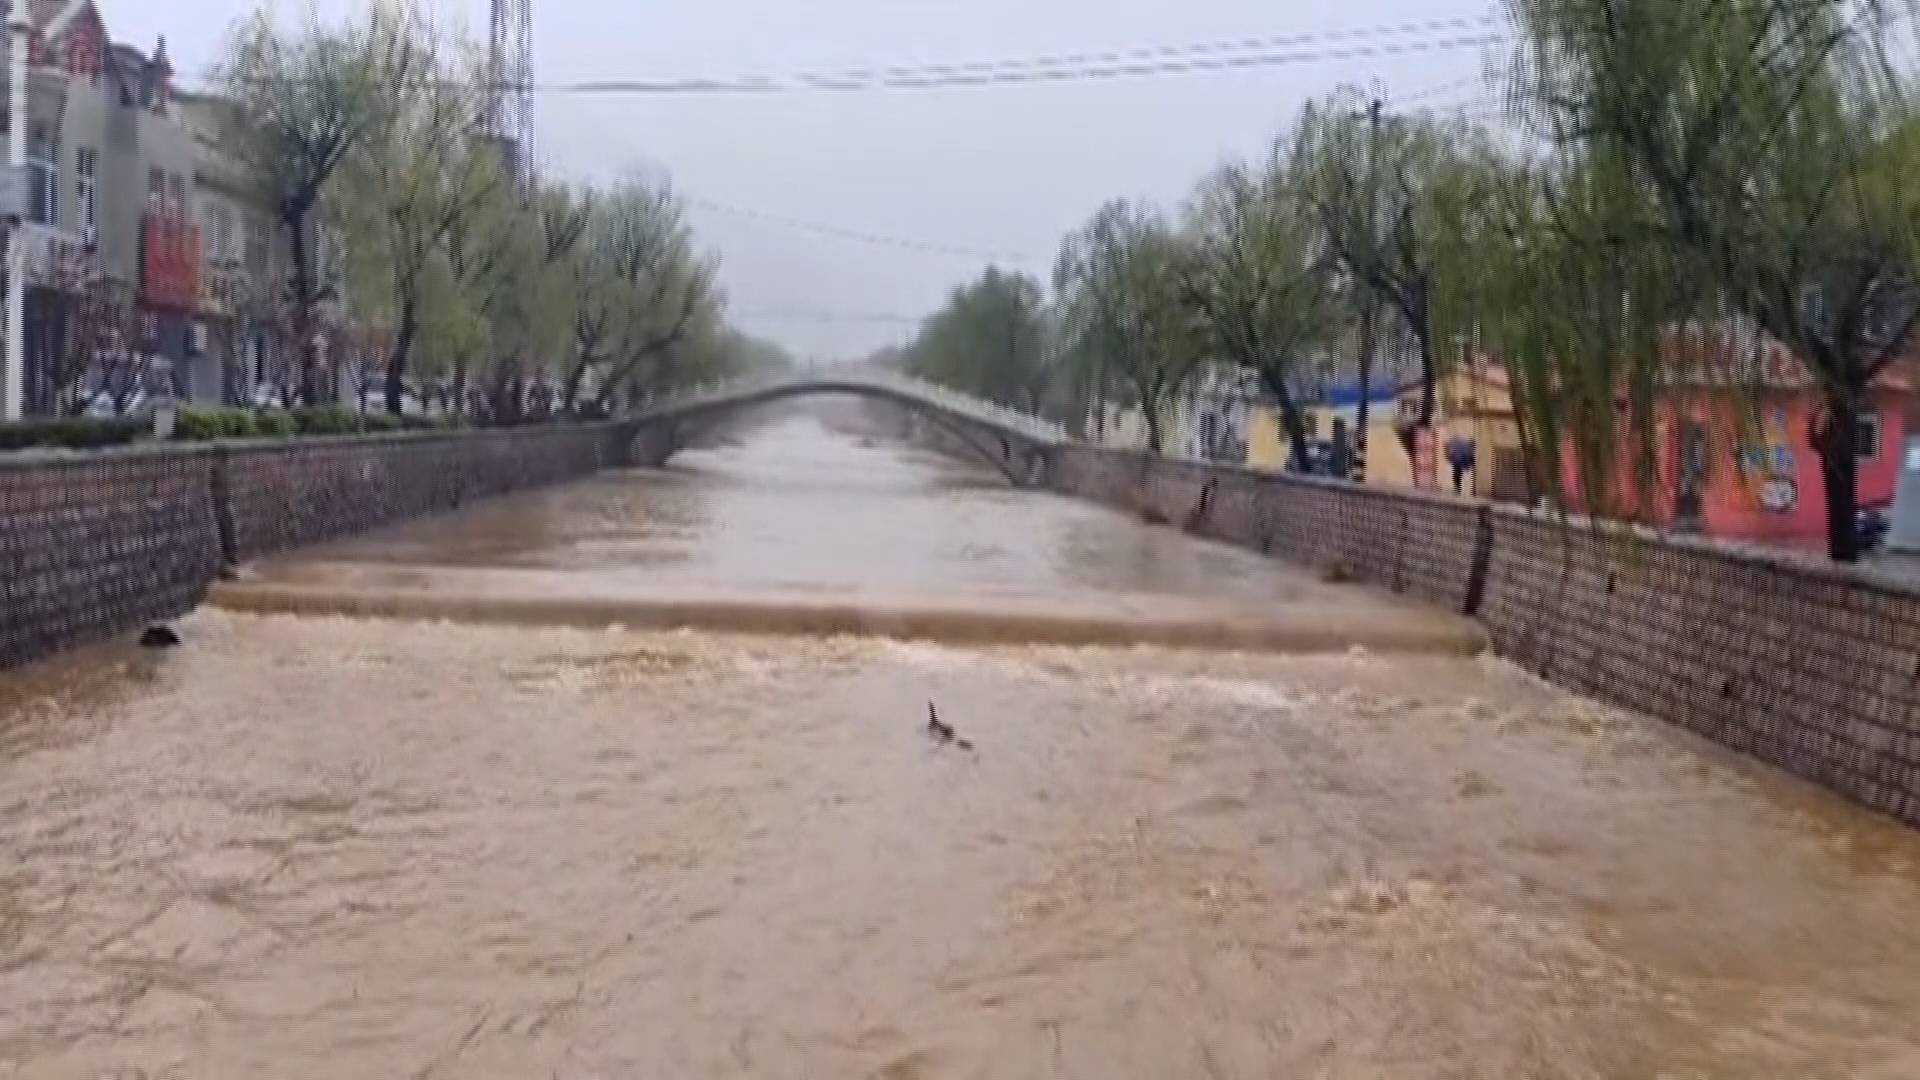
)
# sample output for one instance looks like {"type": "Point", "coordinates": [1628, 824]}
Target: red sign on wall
{"type": "Point", "coordinates": [169, 261]}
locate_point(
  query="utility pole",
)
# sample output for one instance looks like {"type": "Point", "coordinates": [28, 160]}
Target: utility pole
{"type": "Point", "coordinates": [13, 384]}
{"type": "Point", "coordinates": [1368, 303]}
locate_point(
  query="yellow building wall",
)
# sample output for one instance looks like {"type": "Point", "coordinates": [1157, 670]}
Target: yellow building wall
{"type": "Point", "coordinates": [1387, 461]}
{"type": "Point", "coordinates": [1483, 412]}
{"type": "Point", "coordinates": [1266, 447]}
{"type": "Point", "coordinates": [1267, 444]}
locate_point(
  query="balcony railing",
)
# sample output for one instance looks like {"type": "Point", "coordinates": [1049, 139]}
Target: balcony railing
{"type": "Point", "coordinates": [53, 257]}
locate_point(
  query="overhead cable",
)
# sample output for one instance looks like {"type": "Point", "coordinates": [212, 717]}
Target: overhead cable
{"type": "Point", "coordinates": [1399, 39]}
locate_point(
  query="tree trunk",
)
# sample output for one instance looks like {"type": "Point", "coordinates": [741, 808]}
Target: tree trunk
{"type": "Point", "coordinates": [295, 216]}
{"type": "Point", "coordinates": [1420, 322]}
{"type": "Point", "coordinates": [1155, 439]}
{"type": "Point", "coordinates": [506, 399]}
{"type": "Point", "coordinates": [402, 349]}
{"type": "Point", "coordinates": [234, 373]}
{"type": "Point", "coordinates": [610, 389]}
{"type": "Point", "coordinates": [1368, 345]}
{"type": "Point", "coordinates": [1296, 425]}
{"type": "Point", "coordinates": [460, 390]}
{"type": "Point", "coordinates": [1839, 450]}
{"type": "Point", "coordinates": [1292, 420]}
{"type": "Point", "coordinates": [570, 398]}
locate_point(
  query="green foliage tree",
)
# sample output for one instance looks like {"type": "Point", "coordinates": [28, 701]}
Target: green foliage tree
{"type": "Point", "coordinates": [640, 289]}
{"type": "Point", "coordinates": [991, 340]}
{"type": "Point", "coordinates": [1124, 318]}
{"type": "Point", "coordinates": [1259, 279]}
{"type": "Point", "coordinates": [529, 303]}
{"type": "Point", "coordinates": [1385, 188]}
{"type": "Point", "coordinates": [413, 178]}
{"type": "Point", "coordinates": [717, 351]}
{"type": "Point", "coordinates": [538, 295]}
{"type": "Point", "coordinates": [302, 104]}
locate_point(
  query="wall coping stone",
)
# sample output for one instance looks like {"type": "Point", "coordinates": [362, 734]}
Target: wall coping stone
{"type": "Point", "coordinates": [1271, 476]}
{"type": "Point", "coordinates": [40, 457]}
{"type": "Point", "coordinates": [1743, 553]}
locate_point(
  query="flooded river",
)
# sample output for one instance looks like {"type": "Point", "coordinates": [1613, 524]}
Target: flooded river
{"type": "Point", "coordinates": [315, 847]}
{"type": "Point", "coordinates": [794, 508]}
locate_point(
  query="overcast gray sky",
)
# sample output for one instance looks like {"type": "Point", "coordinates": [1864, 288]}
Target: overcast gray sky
{"type": "Point", "coordinates": [997, 168]}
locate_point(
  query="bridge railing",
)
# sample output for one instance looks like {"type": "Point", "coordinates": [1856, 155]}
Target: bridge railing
{"type": "Point", "coordinates": [991, 413]}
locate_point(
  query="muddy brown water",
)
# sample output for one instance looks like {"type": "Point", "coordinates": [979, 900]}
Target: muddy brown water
{"type": "Point", "coordinates": [316, 847]}
{"type": "Point", "coordinates": [793, 507]}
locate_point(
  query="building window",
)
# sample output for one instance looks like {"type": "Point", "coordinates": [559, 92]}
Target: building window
{"type": "Point", "coordinates": [84, 58]}
{"type": "Point", "coordinates": [43, 155]}
{"type": "Point", "coordinates": [86, 188]}
{"type": "Point", "coordinates": [1867, 436]}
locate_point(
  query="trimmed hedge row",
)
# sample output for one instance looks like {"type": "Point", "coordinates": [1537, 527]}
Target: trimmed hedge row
{"type": "Point", "coordinates": [206, 425]}
{"type": "Point", "coordinates": [203, 425]}
{"type": "Point", "coordinates": [72, 432]}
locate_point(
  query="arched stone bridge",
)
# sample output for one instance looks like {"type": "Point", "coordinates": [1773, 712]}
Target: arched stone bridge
{"type": "Point", "coordinates": [1016, 443]}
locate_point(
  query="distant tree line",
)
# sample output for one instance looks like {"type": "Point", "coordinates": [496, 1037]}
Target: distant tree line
{"type": "Point", "coordinates": [469, 283]}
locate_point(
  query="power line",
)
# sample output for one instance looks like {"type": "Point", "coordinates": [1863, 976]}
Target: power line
{"type": "Point", "coordinates": [1365, 42]}
{"type": "Point", "coordinates": [1426, 36]}
{"type": "Point", "coordinates": [858, 235]}
{"type": "Point", "coordinates": [1451, 86]}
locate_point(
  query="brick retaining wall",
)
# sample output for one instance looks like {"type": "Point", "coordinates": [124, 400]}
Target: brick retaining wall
{"type": "Point", "coordinates": [1811, 667]}
{"type": "Point", "coordinates": [285, 494]}
{"type": "Point", "coordinates": [100, 542]}
{"type": "Point", "coordinates": [96, 544]}
{"type": "Point", "coordinates": [1415, 543]}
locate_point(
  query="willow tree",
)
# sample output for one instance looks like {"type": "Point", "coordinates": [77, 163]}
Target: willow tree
{"type": "Point", "coordinates": [641, 290]}
{"type": "Point", "coordinates": [472, 277]}
{"type": "Point", "coordinates": [531, 298]}
{"type": "Point", "coordinates": [421, 170]}
{"type": "Point", "coordinates": [1119, 280]}
{"type": "Point", "coordinates": [302, 102]}
{"type": "Point", "coordinates": [990, 340]}
{"type": "Point", "coordinates": [1557, 270]}
{"type": "Point", "coordinates": [1260, 279]}
{"type": "Point", "coordinates": [1385, 189]}
{"type": "Point", "coordinates": [1762, 142]}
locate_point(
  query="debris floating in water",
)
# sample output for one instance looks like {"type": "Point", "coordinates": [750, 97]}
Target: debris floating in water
{"type": "Point", "coordinates": [159, 637]}
{"type": "Point", "coordinates": [943, 733]}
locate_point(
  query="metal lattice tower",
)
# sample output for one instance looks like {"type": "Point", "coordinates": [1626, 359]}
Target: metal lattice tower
{"type": "Point", "coordinates": [510, 75]}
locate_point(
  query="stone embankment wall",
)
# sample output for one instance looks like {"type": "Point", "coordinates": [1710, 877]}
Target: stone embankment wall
{"type": "Point", "coordinates": [1811, 667]}
{"type": "Point", "coordinates": [95, 544]}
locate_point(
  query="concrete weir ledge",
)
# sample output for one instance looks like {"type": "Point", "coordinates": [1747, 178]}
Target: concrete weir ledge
{"type": "Point", "coordinates": [536, 598]}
